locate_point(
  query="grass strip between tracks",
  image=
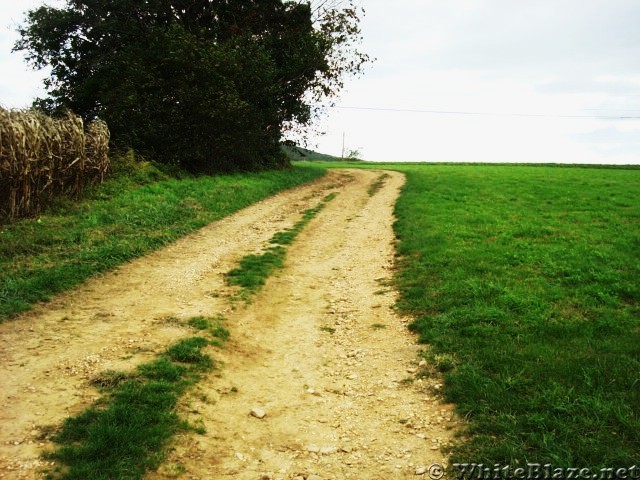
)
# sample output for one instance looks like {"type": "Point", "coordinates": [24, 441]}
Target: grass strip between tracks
{"type": "Point", "coordinates": [126, 432]}
{"type": "Point", "coordinates": [254, 269]}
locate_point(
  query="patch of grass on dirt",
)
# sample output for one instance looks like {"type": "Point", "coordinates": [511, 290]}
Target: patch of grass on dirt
{"type": "Point", "coordinates": [188, 350]}
{"type": "Point", "coordinates": [377, 184]}
{"type": "Point", "coordinates": [109, 379]}
{"type": "Point", "coordinates": [213, 325]}
{"type": "Point", "coordinates": [286, 237]}
{"type": "Point", "coordinates": [141, 208]}
{"type": "Point", "coordinates": [219, 332]}
{"type": "Point", "coordinates": [254, 269]}
{"type": "Point", "coordinates": [126, 432]}
{"type": "Point", "coordinates": [199, 323]}
{"type": "Point", "coordinates": [524, 282]}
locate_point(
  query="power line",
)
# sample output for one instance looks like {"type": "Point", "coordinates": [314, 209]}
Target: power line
{"type": "Point", "coordinates": [494, 114]}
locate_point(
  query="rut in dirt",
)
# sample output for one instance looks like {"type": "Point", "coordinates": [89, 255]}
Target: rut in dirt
{"type": "Point", "coordinates": [320, 349]}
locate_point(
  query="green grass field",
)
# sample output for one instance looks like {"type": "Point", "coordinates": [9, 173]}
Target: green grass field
{"type": "Point", "coordinates": [525, 283]}
{"type": "Point", "coordinates": [140, 209]}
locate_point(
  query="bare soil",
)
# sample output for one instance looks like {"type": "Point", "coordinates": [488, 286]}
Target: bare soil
{"type": "Point", "coordinates": [320, 349]}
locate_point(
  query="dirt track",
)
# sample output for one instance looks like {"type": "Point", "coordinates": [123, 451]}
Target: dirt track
{"type": "Point", "coordinates": [320, 348]}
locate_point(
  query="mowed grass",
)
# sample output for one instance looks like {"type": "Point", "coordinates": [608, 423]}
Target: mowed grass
{"type": "Point", "coordinates": [526, 280]}
{"type": "Point", "coordinates": [140, 209]}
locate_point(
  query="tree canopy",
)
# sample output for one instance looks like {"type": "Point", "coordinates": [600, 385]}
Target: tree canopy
{"type": "Point", "coordinates": [208, 84]}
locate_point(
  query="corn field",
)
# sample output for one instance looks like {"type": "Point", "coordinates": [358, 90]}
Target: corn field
{"type": "Point", "coordinates": [43, 157]}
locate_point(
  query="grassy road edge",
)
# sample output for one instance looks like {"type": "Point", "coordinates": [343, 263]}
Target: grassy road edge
{"type": "Point", "coordinates": [129, 216]}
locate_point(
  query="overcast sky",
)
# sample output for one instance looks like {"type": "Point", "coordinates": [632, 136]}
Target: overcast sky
{"type": "Point", "coordinates": [522, 80]}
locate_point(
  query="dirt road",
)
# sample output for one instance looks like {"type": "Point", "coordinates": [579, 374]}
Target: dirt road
{"type": "Point", "coordinates": [319, 349]}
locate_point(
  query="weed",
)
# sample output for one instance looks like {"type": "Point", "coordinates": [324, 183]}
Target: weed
{"type": "Point", "coordinates": [170, 320]}
{"type": "Point", "coordinates": [329, 197]}
{"type": "Point", "coordinates": [198, 427]}
{"type": "Point", "coordinates": [175, 470]}
{"type": "Point", "coordinates": [328, 329]}
{"type": "Point", "coordinates": [213, 325]}
{"type": "Point", "coordinates": [203, 397]}
{"type": "Point", "coordinates": [219, 332]}
{"type": "Point", "coordinates": [378, 326]}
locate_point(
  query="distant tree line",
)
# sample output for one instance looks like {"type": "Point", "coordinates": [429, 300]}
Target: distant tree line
{"type": "Point", "coordinates": [210, 85]}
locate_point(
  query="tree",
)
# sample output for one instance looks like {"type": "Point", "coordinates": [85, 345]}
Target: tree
{"type": "Point", "coordinates": [209, 84]}
{"type": "Point", "coordinates": [353, 154]}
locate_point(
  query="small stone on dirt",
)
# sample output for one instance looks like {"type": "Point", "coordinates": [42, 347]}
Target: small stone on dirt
{"type": "Point", "coordinates": [258, 412]}
{"type": "Point", "coordinates": [421, 471]}
{"type": "Point", "coordinates": [328, 450]}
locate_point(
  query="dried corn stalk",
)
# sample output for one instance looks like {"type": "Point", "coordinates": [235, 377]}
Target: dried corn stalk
{"type": "Point", "coordinates": [42, 157]}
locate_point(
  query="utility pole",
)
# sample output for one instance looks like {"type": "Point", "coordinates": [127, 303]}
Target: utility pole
{"type": "Point", "coordinates": [342, 156]}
